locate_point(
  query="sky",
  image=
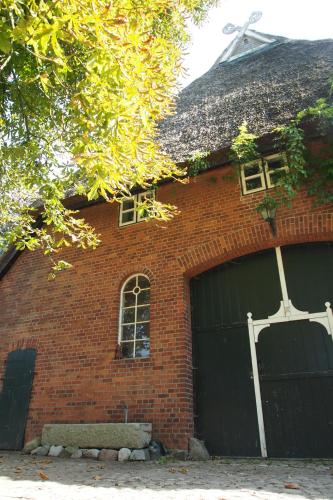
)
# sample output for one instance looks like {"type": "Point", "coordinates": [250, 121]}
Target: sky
{"type": "Point", "coordinates": [304, 19]}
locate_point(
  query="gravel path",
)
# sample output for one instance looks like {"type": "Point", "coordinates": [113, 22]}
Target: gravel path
{"type": "Point", "coordinates": [35, 478]}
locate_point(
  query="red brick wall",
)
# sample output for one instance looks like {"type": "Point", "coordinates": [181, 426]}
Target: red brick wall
{"type": "Point", "coordinates": [73, 321]}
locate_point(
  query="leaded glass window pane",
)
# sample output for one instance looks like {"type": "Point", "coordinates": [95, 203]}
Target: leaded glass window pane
{"type": "Point", "coordinates": [252, 184]}
{"type": "Point", "coordinates": [127, 349]}
{"type": "Point", "coordinates": [128, 217]}
{"type": "Point", "coordinates": [143, 313]}
{"type": "Point", "coordinates": [130, 285]}
{"type": "Point", "coordinates": [143, 297]}
{"type": "Point", "coordinates": [142, 349]}
{"type": "Point", "coordinates": [128, 204]}
{"type": "Point", "coordinates": [128, 332]}
{"type": "Point", "coordinates": [143, 282]}
{"type": "Point", "coordinates": [129, 315]}
{"type": "Point", "coordinates": [142, 331]}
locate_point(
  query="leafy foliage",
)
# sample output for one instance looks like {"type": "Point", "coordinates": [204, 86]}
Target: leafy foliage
{"type": "Point", "coordinates": [82, 86]}
{"type": "Point", "coordinates": [244, 147]}
{"type": "Point", "coordinates": [268, 203]}
{"type": "Point", "coordinates": [320, 183]}
{"type": "Point", "coordinates": [198, 163]}
{"type": "Point", "coordinates": [313, 171]}
{"type": "Point", "coordinates": [291, 140]}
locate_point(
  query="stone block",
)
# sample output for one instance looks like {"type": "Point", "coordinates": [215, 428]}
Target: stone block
{"type": "Point", "coordinates": [197, 449]}
{"type": "Point", "coordinates": [114, 436]}
{"type": "Point", "coordinates": [108, 455]}
{"type": "Point", "coordinates": [41, 451]}
{"type": "Point", "coordinates": [77, 454]}
{"type": "Point", "coordinates": [124, 454]}
{"type": "Point", "coordinates": [56, 451]}
{"type": "Point", "coordinates": [32, 445]}
{"type": "Point", "coordinates": [140, 455]}
{"type": "Point", "coordinates": [90, 453]}
{"type": "Point", "coordinates": [70, 450]}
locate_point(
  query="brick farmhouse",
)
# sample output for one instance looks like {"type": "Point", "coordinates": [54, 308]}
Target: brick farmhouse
{"type": "Point", "coordinates": [155, 319]}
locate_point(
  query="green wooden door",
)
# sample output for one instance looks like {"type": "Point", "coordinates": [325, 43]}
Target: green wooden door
{"type": "Point", "coordinates": [295, 359]}
{"type": "Point", "coordinates": [225, 409]}
{"type": "Point", "coordinates": [14, 398]}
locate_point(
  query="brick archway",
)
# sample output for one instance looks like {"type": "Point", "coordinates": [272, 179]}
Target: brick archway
{"type": "Point", "coordinates": [292, 230]}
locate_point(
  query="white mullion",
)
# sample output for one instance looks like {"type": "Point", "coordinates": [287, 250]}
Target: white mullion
{"type": "Point", "coordinates": [144, 321]}
{"type": "Point", "coordinates": [136, 219]}
{"type": "Point", "coordinates": [138, 200]}
{"type": "Point", "coordinates": [257, 392]}
{"type": "Point", "coordinates": [254, 176]}
{"type": "Point", "coordinates": [282, 276]}
{"type": "Point", "coordinates": [135, 313]}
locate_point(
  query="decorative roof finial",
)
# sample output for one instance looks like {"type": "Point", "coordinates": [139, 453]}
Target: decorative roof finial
{"type": "Point", "coordinates": [243, 35]}
{"type": "Point", "coordinates": [231, 28]}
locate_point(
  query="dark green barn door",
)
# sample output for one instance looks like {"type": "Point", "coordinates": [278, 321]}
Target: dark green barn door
{"type": "Point", "coordinates": [295, 361]}
{"type": "Point", "coordinates": [296, 381]}
{"type": "Point", "coordinates": [225, 406]}
{"type": "Point", "coordinates": [14, 398]}
{"type": "Point", "coordinates": [295, 358]}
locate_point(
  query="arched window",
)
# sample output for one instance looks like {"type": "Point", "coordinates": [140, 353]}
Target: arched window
{"type": "Point", "coordinates": [134, 317]}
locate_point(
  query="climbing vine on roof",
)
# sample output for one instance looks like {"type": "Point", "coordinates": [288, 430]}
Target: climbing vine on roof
{"type": "Point", "coordinates": [315, 172]}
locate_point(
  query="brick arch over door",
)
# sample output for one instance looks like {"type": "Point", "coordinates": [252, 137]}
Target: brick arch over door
{"type": "Point", "coordinates": [292, 230]}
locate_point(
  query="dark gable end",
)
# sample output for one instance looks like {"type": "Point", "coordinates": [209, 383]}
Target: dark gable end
{"type": "Point", "coordinates": [265, 88]}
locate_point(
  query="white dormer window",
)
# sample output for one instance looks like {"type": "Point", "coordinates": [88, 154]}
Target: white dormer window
{"type": "Point", "coordinates": [263, 173]}
{"type": "Point", "coordinates": [129, 213]}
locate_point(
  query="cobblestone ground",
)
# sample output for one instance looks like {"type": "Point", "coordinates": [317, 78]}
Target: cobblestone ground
{"type": "Point", "coordinates": [29, 478]}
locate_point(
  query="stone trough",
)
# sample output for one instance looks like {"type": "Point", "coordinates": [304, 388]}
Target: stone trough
{"type": "Point", "coordinates": [108, 435]}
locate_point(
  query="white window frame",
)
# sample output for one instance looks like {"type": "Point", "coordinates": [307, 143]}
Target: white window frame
{"type": "Point", "coordinates": [122, 211]}
{"type": "Point", "coordinates": [121, 324]}
{"type": "Point", "coordinates": [137, 198]}
{"type": "Point", "coordinates": [264, 174]}
{"type": "Point", "coordinates": [268, 172]}
{"type": "Point", "coordinates": [245, 178]}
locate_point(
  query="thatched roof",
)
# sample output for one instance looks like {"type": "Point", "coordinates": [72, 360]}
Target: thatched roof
{"type": "Point", "coordinates": [265, 88]}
